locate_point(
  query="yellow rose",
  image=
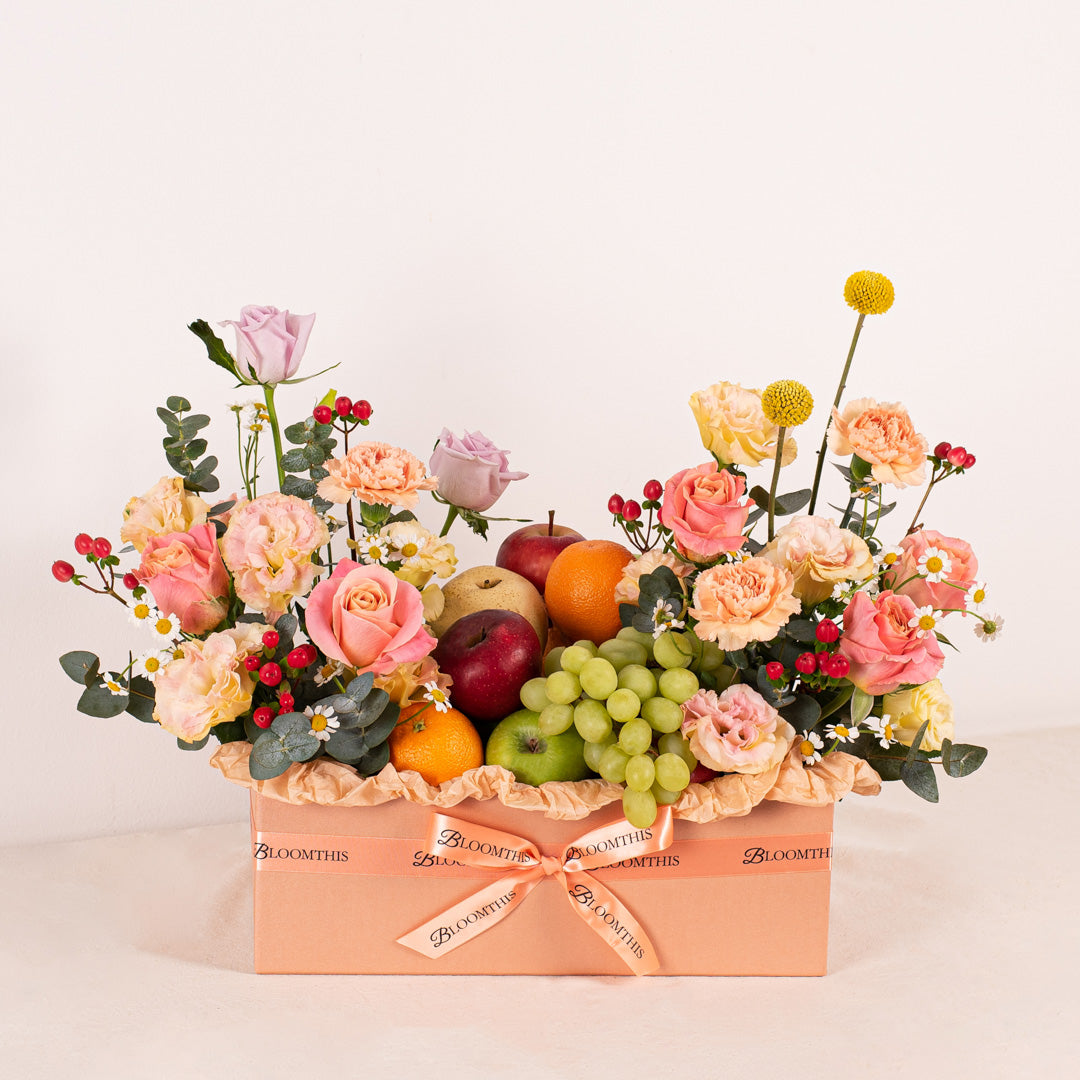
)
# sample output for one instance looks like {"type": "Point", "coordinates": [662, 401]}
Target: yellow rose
{"type": "Point", "coordinates": [165, 508]}
{"type": "Point", "coordinates": [734, 427]}
{"type": "Point", "coordinates": [910, 709]}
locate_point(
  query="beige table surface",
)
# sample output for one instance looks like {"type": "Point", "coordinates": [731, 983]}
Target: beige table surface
{"type": "Point", "coordinates": [955, 952]}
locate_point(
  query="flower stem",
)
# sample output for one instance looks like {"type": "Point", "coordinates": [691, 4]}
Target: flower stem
{"type": "Point", "coordinates": [828, 421]}
{"type": "Point", "coordinates": [451, 514]}
{"type": "Point", "coordinates": [926, 495]}
{"type": "Point", "coordinates": [781, 432]}
{"type": "Point", "coordinates": [268, 393]}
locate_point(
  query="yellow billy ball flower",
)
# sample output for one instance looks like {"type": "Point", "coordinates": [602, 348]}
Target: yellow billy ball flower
{"type": "Point", "coordinates": [869, 293]}
{"type": "Point", "coordinates": [787, 403]}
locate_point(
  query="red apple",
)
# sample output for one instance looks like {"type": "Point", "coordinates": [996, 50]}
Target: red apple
{"type": "Point", "coordinates": [531, 551]}
{"type": "Point", "coordinates": [490, 655]}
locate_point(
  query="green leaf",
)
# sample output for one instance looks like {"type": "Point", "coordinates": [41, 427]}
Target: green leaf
{"type": "Point", "coordinates": [80, 667]}
{"type": "Point", "coordinates": [375, 761]}
{"type": "Point", "coordinates": [845, 472]}
{"type": "Point", "coordinates": [98, 700]}
{"type": "Point", "coordinates": [785, 504]}
{"type": "Point", "coordinates": [944, 640]}
{"type": "Point", "coordinates": [919, 776]}
{"type": "Point", "coordinates": [141, 699]}
{"type": "Point", "coordinates": [861, 704]}
{"type": "Point", "coordinates": [838, 702]}
{"type": "Point", "coordinates": [294, 460]}
{"type": "Point", "coordinates": [198, 745]}
{"type": "Point", "coordinates": [220, 508]}
{"type": "Point", "coordinates": [916, 743]}
{"type": "Point", "coordinates": [286, 626]}
{"type": "Point", "coordinates": [230, 731]}
{"type": "Point", "coordinates": [215, 348]}
{"type": "Point", "coordinates": [860, 469]}
{"type": "Point", "coordinates": [737, 659]}
{"type": "Point", "coordinates": [379, 730]}
{"type": "Point", "coordinates": [961, 759]}
{"type": "Point", "coordinates": [803, 713]}
{"type": "Point", "coordinates": [268, 758]}
{"type": "Point", "coordinates": [195, 449]}
{"type": "Point", "coordinates": [294, 731]}
{"type": "Point", "coordinates": [190, 426]}
{"type": "Point", "coordinates": [177, 404]}
{"type": "Point", "coordinates": [301, 432]}
{"type": "Point", "coordinates": [348, 746]}
{"type": "Point", "coordinates": [801, 630]}
{"type": "Point", "coordinates": [170, 422]}
{"type": "Point", "coordinates": [360, 686]}
{"type": "Point", "coordinates": [298, 486]}
{"type": "Point", "coordinates": [313, 455]}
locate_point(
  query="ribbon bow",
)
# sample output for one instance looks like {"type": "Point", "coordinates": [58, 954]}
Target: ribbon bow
{"type": "Point", "coordinates": [463, 842]}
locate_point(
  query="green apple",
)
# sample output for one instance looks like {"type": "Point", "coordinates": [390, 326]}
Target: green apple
{"type": "Point", "coordinates": [518, 745]}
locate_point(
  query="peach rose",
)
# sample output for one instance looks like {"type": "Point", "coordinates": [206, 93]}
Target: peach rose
{"type": "Point", "coordinates": [367, 618]}
{"type": "Point", "coordinates": [819, 554]}
{"type": "Point", "coordinates": [702, 508]}
{"type": "Point", "coordinates": [734, 427]}
{"type": "Point", "coordinates": [883, 650]}
{"type": "Point", "coordinates": [884, 436]}
{"type": "Point", "coordinates": [408, 682]}
{"type": "Point", "coordinates": [268, 547]}
{"type": "Point", "coordinates": [208, 683]}
{"type": "Point", "coordinates": [376, 472]}
{"type": "Point", "coordinates": [736, 731]}
{"type": "Point", "coordinates": [187, 578]}
{"type": "Point", "coordinates": [963, 572]}
{"type": "Point", "coordinates": [736, 603]}
{"type": "Point", "coordinates": [165, 508]}
{"type": "Point", "coordinates": [627, 592]}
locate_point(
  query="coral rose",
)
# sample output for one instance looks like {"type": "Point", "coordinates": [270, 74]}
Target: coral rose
{"type": "Point", "coordinates": [367, 618]}
{"type": "Point", "coordinates": [627, 591]}
{"type": "Point", "coordinates": [376, 473]}
{"type": "Point", "coordinates": [165, 508]}
{"type": "Point", "coordinates": [207, 684]}
{"type": "Point", "coordinates": [473, 472]}
{"type": "Point", "coordinates": [702, 508]}
{"type": "Point", "coordinates": [736, 731]}
{"type": "Point", "coordinates": [884, 436]}
{"type": "Point", "coordinates": [927, 704]}
{"type": "Point", "coordinates": [736, 603]}
{"type": "Point", "coordinates": [187, 578]}
{"type": "Point", "coordinates": [963, 571]}
{"type": "Point", "coordinates": [734, 427]}
{"type": "Point", "coordinates": [268, 547]}
{"type": "Point", "coordinates": [883, 650]}
{"type": "Point", "coordinates": [819, 554]}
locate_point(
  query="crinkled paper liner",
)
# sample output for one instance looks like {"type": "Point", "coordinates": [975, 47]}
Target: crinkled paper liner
{"type": "Point", "coordinates": [329, 783]}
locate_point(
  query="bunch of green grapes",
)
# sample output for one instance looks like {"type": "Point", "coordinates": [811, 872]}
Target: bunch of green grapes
{"type": "Point", "coordinates": [625, 699]}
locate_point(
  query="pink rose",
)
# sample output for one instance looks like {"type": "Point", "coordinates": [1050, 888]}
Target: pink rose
{"type": "Point", "coordinates": [472, 471]}
{"type": "Point", "coordinates": [701, 507]}
{"type": "Point", "coordinates": [963, 570]}
{"type": "Point", "coordinates": [187, 578]}
{"type": "Point", "coordinates": [736, 731]}
{"type": "Point", "coordinates": [367, 618]}
{"type": "Point", "coordinates": [269, 343]}
{"type": "Point", "coordinates": [736, 603]}
{"type": "Point", "coordinates": [883, 650]}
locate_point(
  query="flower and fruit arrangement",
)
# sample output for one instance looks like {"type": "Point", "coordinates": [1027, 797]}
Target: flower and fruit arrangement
{"type": "Point", "coordinates": [732, 629]}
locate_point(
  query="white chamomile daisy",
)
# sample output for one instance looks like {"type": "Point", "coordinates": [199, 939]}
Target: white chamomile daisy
{"type": "Point", "coordinates": [371, 549]}
{"type": "Point", "coordinates": [663, 617]}
{"type": "Point", "coordinates": [883, 729]}
{"type": "Point", "coordinates": [330, 670]}
{"type": "Point", "coordinates": [149, 664]}
{"type": "Point", "coordinates": [924, 620]}
{"type": "Point", "coordinates": [166, 627]}
{"type": "Point", "coordinates": [143, 613]}
{"type": "Point", "coordinates": [976, 596]}
{"type": "Point", "coordinates": [935, 564]}
{"type": "Point", "coordinates": [887, 558]}
{"type": "Point", "coordinates": [810, 746]}
{"type": "Point", "coordinates": [842, 732]}
{"type": "Point", "coordinates": [323, 721]}
{"type": "Point", "coordinates": [439, 698]}
{"type": "Point", "coordinates": [113, 684]}
{"type": "Point", "coordinates": [408, 544]}
{"type": "Point", "coordinates": [989, 629]}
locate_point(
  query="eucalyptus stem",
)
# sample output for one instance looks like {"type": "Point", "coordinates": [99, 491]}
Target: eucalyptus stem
{"type": "Point", "coordinates": [268, 393]}
{"type": "Point", "coordinates": [451, 514]}
{"type": "Point", "coordinates": [836, 405]}
{"type": "Point", "coordinates": [926, 495]}
{"type": "Point", "coordinates": [781, 432]}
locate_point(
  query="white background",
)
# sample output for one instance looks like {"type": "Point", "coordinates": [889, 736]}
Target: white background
{"type": "Point", "coordinates": [548, 222]}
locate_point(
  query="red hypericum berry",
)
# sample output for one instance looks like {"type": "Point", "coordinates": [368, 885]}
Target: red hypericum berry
{"type": "Point", "coordinates": [701, 774]}
{"type": "Point", "coordinates": [62, 571]}
{"type": "Point", "coordinates": [130, 581]}
{"type": "Point", "coordinates": [615, 504]}
{"type": "Point", "coordinates": [774, 669]}
{"type": "Point", "coordinates": [263, 716]}
{"type": "Point", "coordinates": [362, 410]}
{"type": "Point", "coordinates": [298, 658]}
{"type": "Point", "coordinates": [653, 490]}
{"type": "Point", "coordinates": [956, 456]}
{"type": "Point", "coordinates": [827, 631]}
{"type": "Point", "coordinates": [252, 663]}
{"type": "Point", "coordinates": [286, 702]}
{"type": "Point", "coordinates": [806, 663]}
{"type": "Point", "coordinates": [270, 639]}
{"type": "Point", "coordinates": [969, 461]}
{"type": "Point", "coordinates": [343, 405]}
{"type": "Point", "coordinates": [102, 548]}
{"type": "Point", "coordinates": [839, 666]}
{"type": "Point", "coordinates": [84, 543]}
{"type": "Point", "coordinates": [270, 674]}
{"type": "Point", "coordinates": [312, 653]}
{"type": "Point", "coordinates": [631, 510]}
{"type": "Point", "coordinates": [942, 449]}
{"type": "Point", "coordinates": [323, 414]}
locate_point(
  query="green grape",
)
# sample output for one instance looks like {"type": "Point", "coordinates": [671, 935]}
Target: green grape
{"type": "Point", "coordinates": [672, 772]}
{"type": "Point", "coordinates": [676, 744]}
{"type": "Point", "coordinates": [599, 679]}
{"type": "Point", "coordinates": [573, 658]}
{"type": "Point", "coordinates": [613, 764]}
{"type": "Point", "coordinates": [636, 736]}
{"type": "Point", "coordinates": [639, 808]}
{"type": "Point", "coordinates": [563, 687]}
{"type": "Point", "coordinates": [587, 645]}
{"type": "Point", "coordinates": [712, 657]}
{"type": "Point", "coordinates": [638, 678]}
{"type": "Point", "coordinates": [672, 650]}
{"type": "Point", "coordinates": [663, 796]}
{"type": "Point", "coordinates": [662, 713]}
{"type": "Point", "coordinates": [534, 694]}
{"type": "Point", "coordinates": [595, 750]}
{"type": "Point", "coordinates": [555, 719]}
{"type": "Point", "coordinates": [640, 772]}
{"type": "Point", "coordinates": [552, 660]}
{"type": "Point", "coordinates": [678, 685]}
{"type": "Point", "coordinates": [620, 653]}
{"type": "Point", "coordinates": [623, 705]}
{"type": "Point", "coordinates": [628, 633]}
{"type": "Point", "coordinates": [592, 721]}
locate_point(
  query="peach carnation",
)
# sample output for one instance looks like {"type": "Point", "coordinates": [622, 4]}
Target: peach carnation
{"type": "Point", "coordinates": [736, 603]}
{"type": "Point", "coordinates": [734, 427]}
{"type": "Point", "coordinates": [165, 508]}
{"type": "Point", "coordinates": [376, 473]}
{"type": "Point", "coordinates": [882, 435]}
{"type": "Point", "coordinates": [736, 731]}
{"type": "Point", "coordinates": [627, 592]}
{"type": "Point", "coordinates": [819, 554]}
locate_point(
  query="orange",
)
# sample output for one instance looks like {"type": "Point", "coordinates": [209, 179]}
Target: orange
{"type": "Point", "coordinates": [437, 745]}
{"type": "Point", "coordinates": [580, 589]}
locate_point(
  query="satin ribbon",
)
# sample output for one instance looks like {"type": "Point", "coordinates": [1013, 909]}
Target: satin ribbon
{"type": "Point", "coordinates": [462, 841]}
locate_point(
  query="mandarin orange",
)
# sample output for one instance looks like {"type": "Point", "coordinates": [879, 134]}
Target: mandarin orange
{"type": "Point", "coordinates": [580, 589]}
{"type": "Point", "coordinates": [437, 745]}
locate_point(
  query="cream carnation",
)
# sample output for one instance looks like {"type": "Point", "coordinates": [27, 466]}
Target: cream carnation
{"type": "Point", "coordinates": [927, 704]}
{"type": "Point", "coordinates": [819, 554]}
{"type": "Point", "coordinates": [736, 731]}
{"type": "Point", "coordinates": [378, 474]}
{"type": "Point", "coordinates": [627, 592]}
{"type": "Point", "coordinates": [736, 603]}
{"type": "Point", "coordinates": [734, 427]}
{"type": "Point", "coordinates": [884, 436]}
{"type": "Point", "coordinates": [165, 508]}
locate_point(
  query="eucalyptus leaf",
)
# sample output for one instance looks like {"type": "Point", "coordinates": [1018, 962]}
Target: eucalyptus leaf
{"type": "Point", "coordinates": [141, 699]}
{"type": "Point", "coordinates": [375, 761]}
{"type": "Point", "coordinates": [197, 745]}
{"type": "Point", "coordinates": [221, 508]}
{"type": "Point", "coordinates": [641, 622]}
{"type": "Point", "coordinates": [961, 759]}
{"type": "Point", "coordinates": [190, 426]}
{"type": "Point", "coordinates": [230, 731]}
{"type": "Point", "coordinates": [845, 472]}
{"type": "Point", "coordinates": [803, 713]}
{"type": "Point", "coordinates": [803, 630]}
{"type": "Point", "coordinates": [268, 758]}
{"type": "Point", "coordinates": [80, 667]}
{"type": "Point", "coordinates": [169, 420]}
{"type": "Point", "coordinates": [348, 746]}
{"type": "Point", "coordinates": [737, 659]}
{"type": "Point", "coordinates": [379, 730]}
{"type": "Point", "coordinates": [98, 700]}
{"type": "Point", "coordinates": [299, 433]}
{"type": "Point", "coordinates": [195, 449]}
{"type": "Point", "coordinates": [360, 686]}
{"type": "Point", "coordinates": [294, 460]}
{"type": "Point", "coordinates": [919, 776]}
{"type": "Point", "coordinates": [842, 698]}
{"type": "Point", "coordinates": [298, 486]}
{"type": "Point", "coordinates": [916, 743]}
{"type": "Point", "coordinates": [286, 626]}
{"type": "Point", "coordinates": [177, 404]}
{"type": "Point", "coordinates": [627, 613]}
{"type": "Point", "coordinates": [313, 455]}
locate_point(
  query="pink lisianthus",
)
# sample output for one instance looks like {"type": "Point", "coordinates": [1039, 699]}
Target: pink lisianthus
{"type": "Point", "coordinates": [962, 574]}
{"type": "Point", "coordinates": [883, 435]}
{"type": "Point", "coordinates": [185, 574]}
{"type": "Point", "coordinates": [378, 474]}
{"type": "Point", "coordinates": [166, 508]}
{"type": "Point", "coordinates": [883, 649]}
{"type": "Point", "coordinates": [702, 508]}
{"type": "Point", "coordinates": [736, 603]}
{"type": "Point", "coordinates": [269, 343]}
{"type": "Point", "coordinates": [736, 731]}
{"type": "Point", "coordinates": [819, 555]}
{"type": "Point", "coordinates": [472, 471]}
{"type": "Point", "coordinates": [367, 618]}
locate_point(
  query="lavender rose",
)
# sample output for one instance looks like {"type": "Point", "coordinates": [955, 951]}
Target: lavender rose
{"type": "Point", "coordinates": [472, 471]}
{"type": "Point", "coordinates": [269, 343]}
